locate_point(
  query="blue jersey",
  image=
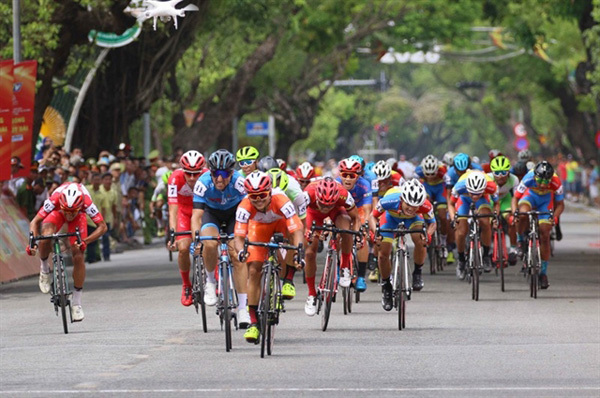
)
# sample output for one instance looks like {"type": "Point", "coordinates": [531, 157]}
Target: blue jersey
{"type": "Point", "coordinates": [206, 195]}
{"type": "Point", "coordinates": [361, 193]}
{"type": "Point", "coordinates": [372, 178]}
{"type": "Point", "coordinates": [452, 176]}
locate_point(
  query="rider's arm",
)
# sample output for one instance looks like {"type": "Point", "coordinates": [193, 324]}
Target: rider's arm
{"type": "Point", "coordinates": [196, 219]}
{"type": "Point", "coordinates": [353, 213]}
{"type": "Point", "coordinates": [34, 225]}
{"type": "Point", "coordinates": [559, 207]}
{"type": "Point", "coordinates": [98, 232]}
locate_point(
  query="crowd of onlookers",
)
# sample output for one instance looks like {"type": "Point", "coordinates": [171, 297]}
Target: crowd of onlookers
{"type": "Point", "coordinates": [122, 185]}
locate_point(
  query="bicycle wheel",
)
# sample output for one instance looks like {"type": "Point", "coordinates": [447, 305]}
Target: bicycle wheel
{"type": "Point", "coordinates": [534, 267]}
{"type": "Point", "coordinates": [273, 315]}
{"type": "Point", "coordinates": [198, 281]}
{"type": "Point", "coordinates": [327, 292]}
{"type": "Point", "coordinates": [226, 304]}
{"type": "Point", "coordinates": [431, 253]}
{"type": "Point", "coordinates": [403, 265]}
{"type": "Point", "coordinates": [476, 265]}
{"type": "Point", "coordinates": [263, 308]}
{"type": "Point", "coordinates": [62, 292]}
{"type": "Point", "coordinates": [500, 256]}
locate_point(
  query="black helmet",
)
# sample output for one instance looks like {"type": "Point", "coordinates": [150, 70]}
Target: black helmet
{"type": "Point", "coordinates": [267, 163]}
{"type": "Point", "coordinates": [520, 168]}
{"type": "Point", "coordinates": [222, 160]}
{"type": "Point", "coordinates": [544, 170]}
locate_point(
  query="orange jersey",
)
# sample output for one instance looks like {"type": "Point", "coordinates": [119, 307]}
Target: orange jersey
{"type": "Point", "coordinates": [280, 209]}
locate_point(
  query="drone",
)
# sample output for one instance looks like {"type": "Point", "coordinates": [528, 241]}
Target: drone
{"type": "Point", "coordinates": [165, 10]}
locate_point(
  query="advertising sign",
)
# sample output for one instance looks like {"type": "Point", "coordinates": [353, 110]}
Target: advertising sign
{"type": "Point", "coordinates": [22, 122]}
{"type": "Point", "coordinates": [6, 103]}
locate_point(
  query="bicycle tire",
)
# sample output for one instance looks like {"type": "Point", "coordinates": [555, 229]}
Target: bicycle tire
{"type": "Point", "coordinates": [432, 258]}
{"type": "Point", "coordinates": [327, 293]}
{"type": "Point", "coordinates": [62, 293]}
{"type": "Point", "coordinates": [265, 299]}
{"type": "Point", "coordinates": [273, 314]}
{"type": "Point", "coordinates": [403, 290]}
{"type": "Point", "coordinates": [501, 250]}
{"type": "Point", "coordinates": [198, 281]}
{"type": "Point", "coordinates": [476, 263]}
{"type": "Point", "coordinates": [533, 261]}
{"type": "Point", "coordinates": [226, 309]}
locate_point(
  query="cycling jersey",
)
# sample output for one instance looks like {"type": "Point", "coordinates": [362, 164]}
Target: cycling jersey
{"type": "Point", "coordinates": [528, 192]}
{"type": "Point", "coordinates": [361, 192]}
{"type": "Point", "coordinates": [344, 203]}
{"type": "Point", "coordinates": [397, 181]}
{"type": "Point", "coordinates": [178, 190]}
{"type": "Point", "coordinates": [505, 192]}
{"type": "Point", "coordinates": [207, 195]}
{"type": "Point", "coordinates": [452, 176]}
{"type": "Point", "coordinates": [389, 211]}
{"type": "Point", "coordinates": [460, 195]}
{"type": "Point", "coordinates": [296, 195]}
{"type": "Point", "coordinates": [159, 191]}
{"type": "Point", "coordinates": [52, 204]}
{"type": "Point", "coordinates": [371, 178]}
{"type": "Point", "coordinates": [435, 186]}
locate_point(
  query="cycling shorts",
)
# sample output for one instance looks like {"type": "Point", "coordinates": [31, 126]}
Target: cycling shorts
{"type": "Point", "coordinates": [184, 221]}
{"type": "Point", "coordinates": [387, 221]}
{"type": "Point", "coordinates": [57, 218]}
{"type": "Point", "coordinates": [259, 232]}
{"type": "Point", "coordinates": [437, 193]}
{"type": "Point", "coordinates": [464, 203]}
{"type": "Point", "coordinates": [538, 202]}
{"type": "Point", "coordinates": [215, 218]}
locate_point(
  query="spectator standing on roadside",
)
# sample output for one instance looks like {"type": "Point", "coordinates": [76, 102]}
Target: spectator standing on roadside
{"type": "Point", "coordinates": [109, 205]}
{"type": "Point", "coordinates": [91, 253]}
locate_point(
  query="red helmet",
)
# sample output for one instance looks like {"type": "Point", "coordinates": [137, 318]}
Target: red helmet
{"type": "Point", "coordinates": [282, 164]}
{"type": "Point", "coordinates": [305, 171]}
{"type": "Point", "coordinates": [71, 198]}
{"type": "Point", "coordinates": [192, 162]}
{"type": "Point", "coordinates": [328, 191]}
{"type": "Point", "coordinates": [350, 166]}
{"type": "Point", "coordinates": [257, 181]}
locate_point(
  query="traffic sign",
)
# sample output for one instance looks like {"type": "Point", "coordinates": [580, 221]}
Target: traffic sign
{"type": "Point", "coordinates": [598, 139]}
{"type": "Point", "coordinates": [257, 129]}
{"type": "Point", "coordinates": [521, 143]}
{"type": "Point", "coordinates": [519, 130]}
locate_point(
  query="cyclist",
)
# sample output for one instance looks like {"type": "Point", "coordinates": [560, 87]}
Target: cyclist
{"type": "Point", "coordinates": [493, 153]}
{"type": "Point", "coordinates": [506, 182]}
{"type": "Point", "coordinates": [461, 163]}
{"type": "Point", "coordinates": [70, 203]}
{"type": "Point", "coordinates": [366, 173]}
{"type": "Point", "coordinates": [247, 158]}
{"type": "Point", "coordinates": [282, 164]}
{"type": "Point", "coordinates": [180, 192]}
{"type": "Point", "coordinates": [216, 197]}
{"type": "Point", "coordinates": [262, 213]}
{"type": "Point", "coordinates": [535, 192]}
{"type": "Point", "coordinates": [305, 173]}
{"type": "Point", "coordinates": [448, 159]}
{"type": "Point", "coordinates": [475, 186]}
{"type": "Point", "coordinates": [412, 209]}
{"type": "Point", "coordinates": [360, 189]}
{"type": "Point", "coordinates": [158, 202]}
{"type": "Point", "coordinates": [287, 184]}
{"type": "Point", "coordinates": [327, 198]}
{"type": "Point", "coordinates": [431, 172]}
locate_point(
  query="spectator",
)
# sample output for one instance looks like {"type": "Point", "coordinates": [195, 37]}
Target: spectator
{"type": "Point", "coordinates": [109, 204]}
{"type": "Point", "coordinates": [91, 253]}
{"type": "Point", "coordinates": [27, 196]}
{"type": "Point", "coordinates": [594, 183]}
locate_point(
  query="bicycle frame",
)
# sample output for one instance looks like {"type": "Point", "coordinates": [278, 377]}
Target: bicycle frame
{"type": "Point", "coordinates": [475, 259]}
{"type": "Point", "coordinates": [533, 257]}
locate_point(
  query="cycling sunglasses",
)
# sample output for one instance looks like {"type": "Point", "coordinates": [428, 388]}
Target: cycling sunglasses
{"type": "Point", "coordinates": [542, 181]}
{"type": "Point", "coordinates": [258, 195]}
{"type": "Point", "coordinates": [191, 174]}
{"type": "Point", "coordinates": [349, 175]}
{"type": "Point", "coordinates": [246, 162]}
{"type": "Point", "coordinates": [500, 173]}
{"type": "Point", "coordinates": [220, 173]}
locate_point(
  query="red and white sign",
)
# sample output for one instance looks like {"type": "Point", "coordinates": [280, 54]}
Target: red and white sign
{"type": "Point", "coordinates": [519, 130]}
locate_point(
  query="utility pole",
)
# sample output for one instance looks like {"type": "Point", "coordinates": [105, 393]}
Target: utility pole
{"type": "Point", "coordinates": [17, 31]}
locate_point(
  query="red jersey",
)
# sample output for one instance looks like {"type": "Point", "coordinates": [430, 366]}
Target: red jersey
{"type": "Point", "coordinates": [345, 200]}
{"type": "Point", "coordinates": [178, 190]}
{"type": "Point", "coordinates": [52, 203]}
{"type": "Point", "coordinates": [280, 208]}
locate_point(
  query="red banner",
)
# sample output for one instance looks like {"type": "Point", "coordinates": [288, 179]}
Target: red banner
{"type": "Point", "coordinates": [22, 123]}
{"type": "Point", "coordinates": [6, 104]}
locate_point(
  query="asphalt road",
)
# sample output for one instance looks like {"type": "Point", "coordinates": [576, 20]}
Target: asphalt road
{"type": "Point", "coordinates": [137, 339]}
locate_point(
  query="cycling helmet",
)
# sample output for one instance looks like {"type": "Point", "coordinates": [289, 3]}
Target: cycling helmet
{"type": "Point", "coordinates": [544, 170]}
{"type": "Point", "coordinates": [349, 166]}
{"type": "Point", "coordinates": [267, 163]}
{"type": "Point", "coordinates": [524, 155]}
{"type": "Point", "coordinates": [475, 159]}
{"type": "Point", "coordinates": [246, 153]}
{"type": "Point", "coordinates": [413, 193]}
{"type": "Point", "coordinates": [221, 159]}
{"type": "Point", "coordinates": [448, 158]}
{"type": "Point", "coordinates": [369, 166]}
{"type": "Point", "coordinates": [520, 168]}
{"type": "Point", "coordinates": [494, 153]}
{"type": "Point", "coordinates": [359, 159]}
{"type": "Point", "coordinates": [282, 164]}
{"type": "Point", "coordinates": [257, 181]}
{"type": "Point", "coordinates": [462, 162]}
{"type": "Point", "coordinates": [328, 191]}
{"type": "Point", "coordinates": [166, 175]}
{"type": "Point", "coordinates": [305, 171]}
{"type": "Point", "coordinates": [430, 165]}
{"type": "Point", "coordinates": [71, 198]}
{"type": "Point", "coordinates": [382, 170]}
{"type": "Point", "coordinates": [500, 163]}
{"type": "Point", "coordinates": [476, 182]}
{"type": "Point", "coordinates": [530, 165]}
{"type": "Point", "coordinates": [192, 162]}
{"type": "Point", "coordinates": [279, 178]}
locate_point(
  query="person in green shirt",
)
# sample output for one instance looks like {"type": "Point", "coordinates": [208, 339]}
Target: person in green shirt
{"type": "Point", "coordinates": [26, 196]}
{"type": "Point", "coordinates": [109, 208]}
{"type": "Point", "coordinates": [92, 253]}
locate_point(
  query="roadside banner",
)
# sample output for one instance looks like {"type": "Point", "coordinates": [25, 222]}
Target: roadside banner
{"type": "Point", "coordinates": [6, 104]}
{"type": "Point", "coordinates": [22, 122]}
{"type": "Point", "coordinates": [14, 237]}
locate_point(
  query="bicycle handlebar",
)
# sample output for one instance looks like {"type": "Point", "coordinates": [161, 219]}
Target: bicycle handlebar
{"type": "Point", "coordinates": [276, 245]}
{"type": "Point", "coordinates": [33, 239]}
{"type": "Point", "coordinates": [534, 212]}
{"type": "Point", "coordinates": [401, 231]}
{"type": "Point", "coordinates": [173, 234]}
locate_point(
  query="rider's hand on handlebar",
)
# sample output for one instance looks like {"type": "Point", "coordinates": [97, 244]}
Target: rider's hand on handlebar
{"type": "Point", "coordinates": [31, 251]}
{"type": "Point", "coordinates": [242, 256]}
{"type": "Point", "coordinates": [81, 246]}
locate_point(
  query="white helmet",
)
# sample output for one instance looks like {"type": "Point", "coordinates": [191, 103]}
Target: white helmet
{"type": "Point", "coordinates": [192, 162]}
{"type": "Point", "coordinates": [71, 198]}
{"type": "Point", "coordinates": [448, 158]}
{"type": "Point", "coordinates": [430, 165]}
{"type": "Point", "coordinates": [476, 182]}
{"type": "Point", "coordinates": [382, 170]}
{"type": "Point", "coordinates": [413, 193]}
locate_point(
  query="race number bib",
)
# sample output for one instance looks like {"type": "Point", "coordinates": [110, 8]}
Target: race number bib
{"type": "Point", "coordinates": [48, 206]}
{"type": "Point", "coordinates": [92, 211]}
{"type": "Point", "coordinates": [200, 189]}
{"type": "Point", "coordinates": [172, 191]}
{"type": "Point", "coordinates": [242, 215]}
{"type": "Point", "coordinates": [288, 210]}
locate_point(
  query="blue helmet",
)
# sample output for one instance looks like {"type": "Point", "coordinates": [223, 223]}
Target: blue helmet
{"type": "Point", "coordinates": [369, 166]}
{"type": "Point", "coordinates": [359, 159]}
{"type": "Point", "coordinates": [462, 162]}
{"type": "Point", "coordinates": [222, 160]}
